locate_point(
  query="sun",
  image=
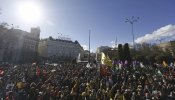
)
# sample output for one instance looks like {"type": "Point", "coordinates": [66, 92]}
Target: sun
{"type": "Point", "coordinates": [29, 12]}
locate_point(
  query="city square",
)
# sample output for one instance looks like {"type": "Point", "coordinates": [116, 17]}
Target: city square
{"type": "Point", "coordinates": [87, 50]}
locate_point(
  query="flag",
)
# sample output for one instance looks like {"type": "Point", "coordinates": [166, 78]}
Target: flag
{"type": "Point", "coordinates": [171, 65]}
{"type": "Point", "coordinates": [120, 66]}
{"type": "Point", "coordinates": [15, 66]}
{"type": "Point", "coordinates": [37, 71]}
{"type": "Point", "coordinates": [1, 72]}
{"type": "Point", "coordinates": [121, 63]}
{"type": "Point", "coordinates": [165, 64]}
{"type": "Point", "coordinates": [126, 62]}
{"type": "Point", "coordinates": [103, 71]}
{"type": "Point", "coordinates": [113, 62]}
{"type": "Point", "coordinates": [106, 60]}
{"type": "Point", "coordinates": [134, 62]}
{"type": "Point", "coordinates": [141, 65]}
{"type": "Point", "coordinates": [159, 72]}
{"type": "Point", "coordinates": [88, 65]}
{"type": "Point", "coordinates": [53, 70]}
{"type": "Point", "coordinates": [34, 63]}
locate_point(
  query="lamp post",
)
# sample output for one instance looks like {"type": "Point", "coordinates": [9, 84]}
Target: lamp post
{"type": "Point", "coordinates": [132, 20]}
{"type": "Point", "coordinates": [0, 11]}
{"type": "Point", "coordinates": [89, 46]}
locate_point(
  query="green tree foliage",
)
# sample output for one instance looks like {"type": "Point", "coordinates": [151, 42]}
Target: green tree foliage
{"type": "Point", "coordinates": [151, 53]}
{"type": "Point", "coordinates": [120, 52]}
{"type": "Point", "coordinates": [126, 52]}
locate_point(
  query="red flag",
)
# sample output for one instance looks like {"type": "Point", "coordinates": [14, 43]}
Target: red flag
{"type": "Point", "coordinates": [1, 72]}
{"type": "Point", "coordinates": [37, 71]}
{"type": "Point", "coordinates": [103, 71]}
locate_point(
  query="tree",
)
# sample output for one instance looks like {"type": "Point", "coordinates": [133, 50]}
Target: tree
{"type": "Point", "coordinates": [126, 52]}
{"type": "Point", "coordinates": [151, 53]}
{"type": "Point", "coordinates": [120, 52]}
{"type": "Point", "coordinates": [141, 58]}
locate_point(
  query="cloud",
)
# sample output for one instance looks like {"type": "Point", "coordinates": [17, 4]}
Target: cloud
{"type": "Point", "coordinates": [85, 47]}
{"type": "Point", "coordinates": [163, 32]}
{"type": "Point", "coordinates": [50, 23]}
{"type": "Point", "coordinates": [113, 44]}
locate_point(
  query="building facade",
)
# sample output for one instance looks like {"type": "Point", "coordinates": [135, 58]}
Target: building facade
{"type": "Point", "coordinates": [59, 49]}
{"type": "Point", "coordinates": [17, 45]}
{"type": "Point", "coordinates": [102, 48]}
{"type": "Point", "coordinates": [86, 56]}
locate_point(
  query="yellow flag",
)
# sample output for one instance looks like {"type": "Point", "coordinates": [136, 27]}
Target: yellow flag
{"type": "Point", "coordinates": [165, 64]}
{"type": "Point", "coordinates": [107, 61]}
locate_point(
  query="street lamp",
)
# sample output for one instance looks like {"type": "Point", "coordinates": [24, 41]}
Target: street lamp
{"type": "Point", "coordinates": [0, 11]}
{"type": "Point", "coordinates": [131, 21]}
{"type": "Point", "coordinates": [89, 46]}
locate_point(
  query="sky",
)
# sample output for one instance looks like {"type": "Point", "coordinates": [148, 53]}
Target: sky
{"type": "Point", "coordinates": [105, 19]}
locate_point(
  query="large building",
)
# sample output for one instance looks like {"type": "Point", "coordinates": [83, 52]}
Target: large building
{"type": "Point", "coordinates": [111, 54]}
{"type": "Point", "coordinates": [59, 49]}
{"type": "Point", "coordinates": [17, 45]}
{"type": "Point", "coordinates": [102, 48]}
{"type": "Point", "coordinates": [86, 56]}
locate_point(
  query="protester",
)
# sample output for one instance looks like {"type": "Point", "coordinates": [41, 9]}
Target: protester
{"type": "Point", "coordinates": [77, 82]}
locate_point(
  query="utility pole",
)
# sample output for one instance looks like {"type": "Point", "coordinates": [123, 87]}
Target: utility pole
{"type": "Point", "coordinates": [0, 10]}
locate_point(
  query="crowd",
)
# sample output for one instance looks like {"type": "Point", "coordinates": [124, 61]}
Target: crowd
{"type": "Point", "coordinates": [77, 82]}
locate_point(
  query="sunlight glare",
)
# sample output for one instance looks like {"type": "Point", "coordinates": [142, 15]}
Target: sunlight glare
{"type": "Point", "coordinates": [29, 12]}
